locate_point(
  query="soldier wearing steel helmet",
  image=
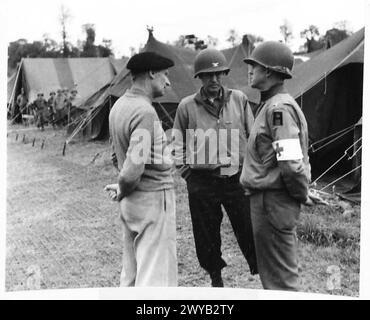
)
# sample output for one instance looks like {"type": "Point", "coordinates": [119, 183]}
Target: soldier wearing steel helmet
{"type": "Point", "coordinates": [215, 181]}
{"type": "Point", "coordinates": [276, 169]}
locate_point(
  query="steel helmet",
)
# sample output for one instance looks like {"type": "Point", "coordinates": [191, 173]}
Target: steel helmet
{"type": "Point", "coordinates": [273, 55]}
{"type": "Point", "coordinates": [210, 60]}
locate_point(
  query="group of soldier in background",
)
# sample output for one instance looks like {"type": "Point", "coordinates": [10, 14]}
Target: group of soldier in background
{"type": "Point", "coordinates": [56, 110]}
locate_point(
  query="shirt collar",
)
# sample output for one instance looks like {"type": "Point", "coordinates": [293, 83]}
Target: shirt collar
{"type": "Point", "coordinates": [139, 92]}
{"type": "Point", "coordinates": [278, 88]}
{"type": "Point", "coordinates": [224, 96]}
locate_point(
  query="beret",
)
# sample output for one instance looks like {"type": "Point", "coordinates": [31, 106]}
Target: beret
{"type": "Point", "coordinates": [148, 60]}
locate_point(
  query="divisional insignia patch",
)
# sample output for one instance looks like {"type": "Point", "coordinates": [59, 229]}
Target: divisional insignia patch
{"type": "Point", "coordinates": [277, 119]}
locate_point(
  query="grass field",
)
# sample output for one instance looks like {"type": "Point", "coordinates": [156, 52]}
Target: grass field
{"type": "Point", "coordinates": [61, 223]}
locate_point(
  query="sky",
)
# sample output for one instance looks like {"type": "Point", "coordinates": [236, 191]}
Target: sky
{"type": "Point", "coordinates": [125, 22]}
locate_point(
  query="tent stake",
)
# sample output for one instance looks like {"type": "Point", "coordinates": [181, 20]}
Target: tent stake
{"type": "Point", "coordinates": [16, 137]}
{"type": "Point", "coordinates": [24, 138]}
{"type": "Point", "coordinates": [42, 144]}
{"type": "Point", "coordinates": [64, 148]}
{"type": "Point", "coordinates": [33, 142]}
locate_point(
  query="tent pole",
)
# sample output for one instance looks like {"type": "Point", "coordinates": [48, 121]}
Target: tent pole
{"type": "Point", "coordinates": [15, 85]}
{"type": "Point", "coordinates": [166, 113]}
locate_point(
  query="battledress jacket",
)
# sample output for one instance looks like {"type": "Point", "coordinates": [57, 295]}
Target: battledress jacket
{"type": "Point", "coordinates": [235, 119]}
{"type": "Point", "coordinates": [277, 149]}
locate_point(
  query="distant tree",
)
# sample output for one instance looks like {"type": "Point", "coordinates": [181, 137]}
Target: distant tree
{"type": "Point", "coordinates": [180, 42]}
{"type": "Point", "coordinates": [190, 41]}
{"type": "Point", "coordinates": [105, 50]}
{"type": "Point", "coordinates": [233, 38]}
{"type": "Point", "coordinates": [51, 48]}
{"type": "Point", "coordinates": [89, 49]}
{"type": "Point", "coordinates": [22, 49]}
{"type": "Point", "coordinates": [286, 31]}
{"type": "Point", "coordinates": [341, 25]}
{"type": "Point", "coordinates": [132, 51]}
{"type": "Point", "coordinates": [313, 40]}
{"type": "Point", "coordinates": [64, 16]}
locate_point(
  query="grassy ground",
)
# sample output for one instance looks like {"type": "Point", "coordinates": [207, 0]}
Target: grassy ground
{"type": "Point", "coordinates": [61, 222]}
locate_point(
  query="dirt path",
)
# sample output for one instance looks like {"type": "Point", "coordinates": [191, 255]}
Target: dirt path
{"type": "Point", "coordinates": [60, 220]}
{"type": "Point", "coordinates": [62, 223]}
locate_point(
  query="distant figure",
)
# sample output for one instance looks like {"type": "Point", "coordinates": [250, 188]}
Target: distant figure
{"type": "Point", "coordinates": [40, 106]}
{"type": "Point", "coordinates": [59, 107]}
{"type": "Point", "coordinates": [66, 93]}
{"type": "Point", "coordinates": [51, 108]}
{"type": "Point", "coordinates": [72, 103]}
{"type": "Point", "coordinates": [20, 106]}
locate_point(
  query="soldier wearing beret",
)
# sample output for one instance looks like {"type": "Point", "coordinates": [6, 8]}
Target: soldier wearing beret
{"type": "Point", "coordinates": [276, 169]}
{"type": "Point", "coordinates": [145, 189]}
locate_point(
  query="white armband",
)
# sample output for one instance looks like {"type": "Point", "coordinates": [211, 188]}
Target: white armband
{"type": "Point", "coordinates": [287, 149]}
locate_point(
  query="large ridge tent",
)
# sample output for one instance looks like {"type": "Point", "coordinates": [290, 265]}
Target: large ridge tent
{"type": "Point", "coordinates": [182, 80]}
{"type": "Point", "coordinates": [328, 87]}
{"type": "Point", "coordinates": [87, 75]}
{"type": "Point", "coordinates": [91, 117]}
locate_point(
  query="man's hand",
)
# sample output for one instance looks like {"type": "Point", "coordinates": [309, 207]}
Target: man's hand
{"type": "Point", "coordinates": [313, 199]}
{"type": "Point", "coordinates": [114, 191]}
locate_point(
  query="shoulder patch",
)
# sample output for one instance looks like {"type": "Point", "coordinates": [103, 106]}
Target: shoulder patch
{"type": "Point", "coordinates": [277, 119]}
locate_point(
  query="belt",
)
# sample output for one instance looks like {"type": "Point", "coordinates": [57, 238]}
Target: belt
{"type": "Point", "coordinates": [215, 173]}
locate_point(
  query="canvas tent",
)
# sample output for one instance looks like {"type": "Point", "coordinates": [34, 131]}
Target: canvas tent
{"type": "Point", "coordinates": [182, 80]}
{"type": "Point", "coordinates": [328, 87]}
{"type": "Point", "coordinates": [11, 81]}
{"type": "Point", "coordinates": [87, 75]}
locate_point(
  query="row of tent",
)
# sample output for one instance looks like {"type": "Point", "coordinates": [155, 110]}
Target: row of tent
{"type": "Point", "coordinates": [328, 87]}
{"type": "Point", "coordinates": [87, 75]}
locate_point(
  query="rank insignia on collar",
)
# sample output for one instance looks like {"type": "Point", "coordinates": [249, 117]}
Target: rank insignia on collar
{"type": "Point", "coordinates": [277, 119]}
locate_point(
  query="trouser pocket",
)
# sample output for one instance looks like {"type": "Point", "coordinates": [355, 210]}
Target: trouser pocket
{"type": "Point", "coordinates": [282, 210]}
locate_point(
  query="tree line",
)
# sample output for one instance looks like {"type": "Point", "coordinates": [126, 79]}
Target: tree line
{"type": "Point", "coordinates": [49, 48]}
{"type": "Point", "coordinates": [313, 39]}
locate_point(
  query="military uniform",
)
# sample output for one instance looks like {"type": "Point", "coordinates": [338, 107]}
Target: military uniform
{"type": "Point", "coordinates": [40, 106]}
{"type": "Point", "coordinates": [148, 205]}
{"type": "Point", "coordinates": [20, 105]}
{"type": "Point", "coordinates": [276, 172]}
{"type": "Point", "coordinates": [211, 185]}
{"type": "Point", "coordinates": [59, 107]}
{"type": "Point", "coordinates": [51, 110]}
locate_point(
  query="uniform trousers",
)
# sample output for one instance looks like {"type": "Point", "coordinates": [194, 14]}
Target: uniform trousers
{"type": "Point", "coordinates": [40, 119]}
{"type": "Point", "coordinates": [206, 195]}
{"type": "Point", "coordinates": [275, 216]}
{"type": "Point", "coordinates": [149, 239]}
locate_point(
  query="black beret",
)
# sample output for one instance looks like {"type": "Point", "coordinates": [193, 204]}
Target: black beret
{"type": "Point", "coordinates": [146, 61]}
